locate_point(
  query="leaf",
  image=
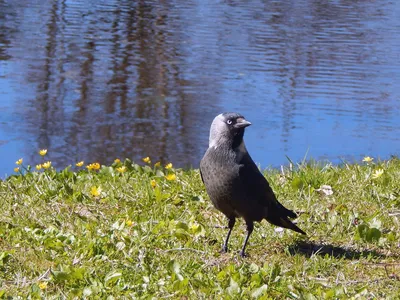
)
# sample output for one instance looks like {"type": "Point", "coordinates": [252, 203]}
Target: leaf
{"type": "Point", "coordinates": [375, 223]}
{"type": "Point", "coordinates": [174, 267]}
{"type": "Point", "coordinates": [297, 183]}
{"type": "Point", "coordinates": [259, 291]}
{"type": "Point", "coordinates": [253, 268]}
{"type": "Point", "coordinates": [60, 276]}
{"type": "Point", "coordinates": [112, 277]}
{"type": "Point", "coordinates": [53, 243]}
{"type": "Point", "coordinates": [221, 275]}
{"type": "Point", "coordinates": [182, 225]}
{"type": "Point", "coordinates": [362, 231]}
{"type": "Point", "coordinates": [158, 194]}
{"type": "Point", "coordinates": [233, 288]}
{"type": "Point", "coordinates": [118, 225]}
{"type": "Point", "coordinates": [87, 291]}
{"type": "Point", "coordinates": [391, 236]}
{"type": "Point", "coordinates": [68, 189]}
{"type": "Point", "coordinates": [369, 234]}
{"type": "Point", "coordinates": [177, 201]}
{"type": "Point", "coordinates": [309, 296]}
{"type": "Point", "coordinates": [160, 173]}
{"type": "Point", "coordinates": [194, 227]}
{"type": "Point", "coordinates": [373, 235]}
{"type": "Point", "coordinates": [256, 279]}
{"type": "Point", "coordinates": [181, 234]}
{"type": "Point", "coordinates": [276, 270]}
{"type": "Point", "coordinates": [333, 219]}
{"type": "Point", "coordinates": [35, 289]}
{"type": "Point", "coordinates": [4, 256]}
{"type": "Point", "coordinates": [330, 294]}
{"type": "Point", "coordinates": [77, 274]}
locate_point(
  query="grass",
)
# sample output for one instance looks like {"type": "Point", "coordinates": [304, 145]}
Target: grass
{"type": "Point", "coordinates": [134, 231]}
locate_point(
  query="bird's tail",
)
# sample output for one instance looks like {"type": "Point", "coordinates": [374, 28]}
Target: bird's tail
{"type": "Point", "coordinates": [285, 211]}
{"type": "Point", "coordinates": [284, 222]}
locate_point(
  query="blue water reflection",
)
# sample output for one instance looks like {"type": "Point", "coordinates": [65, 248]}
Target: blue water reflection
{"type": "Point", "coordinates": [97, 80]}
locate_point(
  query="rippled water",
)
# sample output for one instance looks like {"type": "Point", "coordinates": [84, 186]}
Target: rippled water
{"type": "Point", "coordinates": [97, 80]}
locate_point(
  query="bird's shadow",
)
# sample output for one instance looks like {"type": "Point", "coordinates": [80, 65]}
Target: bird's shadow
{"type": "Point", "coordinates": [309, 249]}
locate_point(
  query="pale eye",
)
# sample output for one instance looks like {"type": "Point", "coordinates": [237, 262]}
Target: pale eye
{"type": "Point", "coordinates": [229, 122]}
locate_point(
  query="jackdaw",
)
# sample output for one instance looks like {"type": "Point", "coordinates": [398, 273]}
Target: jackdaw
{"type": "Point", "coordinates": [235, 185]}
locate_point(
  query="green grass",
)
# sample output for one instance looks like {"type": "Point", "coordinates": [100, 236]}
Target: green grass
{"type": "Point", "coordinates": [80, 233]}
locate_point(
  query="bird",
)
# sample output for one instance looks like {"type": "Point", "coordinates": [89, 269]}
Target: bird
{"type": "Point", "coordinates": [234, 183]}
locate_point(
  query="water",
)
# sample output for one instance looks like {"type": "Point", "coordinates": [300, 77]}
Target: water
{"type": "Point", "coordinates": [99, 80]}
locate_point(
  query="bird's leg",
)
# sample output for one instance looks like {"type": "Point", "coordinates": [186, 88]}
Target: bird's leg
{"type": "Point", "coordinates": [231, 223]}
{"type": "Point", "coordinates": [250, 228]}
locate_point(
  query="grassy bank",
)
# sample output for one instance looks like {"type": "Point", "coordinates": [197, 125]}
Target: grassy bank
{"type": "Point", "coordinates": [150, 231]}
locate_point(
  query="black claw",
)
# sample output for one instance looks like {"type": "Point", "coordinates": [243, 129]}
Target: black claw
{"type": "Point", "coordinates": [224, 249]}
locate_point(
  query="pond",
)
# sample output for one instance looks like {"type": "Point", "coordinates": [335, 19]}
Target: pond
{"type": "Point", "coordinates": [99, 80]}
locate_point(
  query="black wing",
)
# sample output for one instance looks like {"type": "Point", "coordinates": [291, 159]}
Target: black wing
{"type": "Point", "coordinates": [258, 188]}
{"type": "Point", "coordinates": [261, 197]}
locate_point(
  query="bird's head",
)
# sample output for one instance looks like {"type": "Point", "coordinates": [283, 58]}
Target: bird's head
{"type": "Point", "coordinates": [227, 128]}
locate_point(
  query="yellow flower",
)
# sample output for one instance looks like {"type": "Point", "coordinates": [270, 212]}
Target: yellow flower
{"type": "Point", "coordinates": [93, 166]}
{"type": "Point", "coordinates": [170, 177]}
{"type": "Point", "coordinates": [16, 170]}
{"type": "Point", "coordinates": [121, 169]}
{"type": "Point", "coordinates": [43, 152]}
{"type": "Point", "coordinates": [79, 164]}
{"type": "Point", "coordinates": [95, 192]}
{"type": "Point", "coordinates": [19, 161]}
{"type": "Point", "coordinates": [117, 160]}
{"type": "Point", "coordinates": [168, 166]}
{"type": "Point", "coordinates": [368, 159]}
{"type": "Point", "coordinates": [153, 183]}
{"type": "Point", "coordinates": [96, 166]}
{"type": "Point", "coordinates": [157, 164]}
{"type": "Point", "coordinates": [46, 165]}
{"type": "Point", "coordinates": [147, 160]}
{"type": "Point", "coordinates": [38, 167]}
{"type": "Point", "coordinates": [43, 285]}
{"type": "Point", "coordinates": [129, 222]}
{"type": "Point", "coordinates": [378, 173]}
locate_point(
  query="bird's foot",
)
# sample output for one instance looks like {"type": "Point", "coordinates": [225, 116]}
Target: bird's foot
{"type": "Point", "coordinates": [224, 249]}
{"type": "Point", "coordinates": [243, 254]}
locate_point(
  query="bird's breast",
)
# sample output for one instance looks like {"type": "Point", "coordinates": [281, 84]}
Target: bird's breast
{"type": "Point", "coordinates": [219, 171]}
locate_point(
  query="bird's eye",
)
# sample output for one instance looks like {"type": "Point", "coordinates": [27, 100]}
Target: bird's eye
{"type": "Point", "coordinates": [229, 122]}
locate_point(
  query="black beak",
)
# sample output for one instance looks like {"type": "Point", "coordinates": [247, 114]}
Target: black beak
{"type": "Point", "coordinates": [242, 123]}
